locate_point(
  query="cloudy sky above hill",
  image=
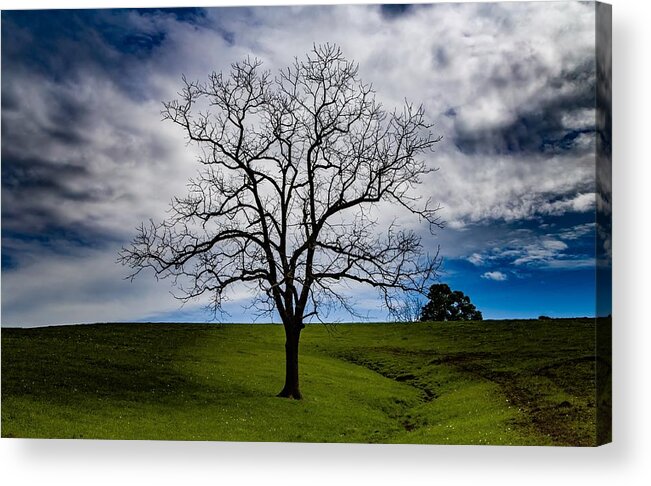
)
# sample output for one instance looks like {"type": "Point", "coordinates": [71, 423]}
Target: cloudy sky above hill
{"type": "Point", "coordinates": [85, 156]}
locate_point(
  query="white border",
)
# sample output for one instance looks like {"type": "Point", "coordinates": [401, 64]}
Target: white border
{"type": "Point", "coordinates": [626, 461]}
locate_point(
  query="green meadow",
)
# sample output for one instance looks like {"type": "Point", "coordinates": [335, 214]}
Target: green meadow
{"type": "Point", "coordinates": [491, 382]}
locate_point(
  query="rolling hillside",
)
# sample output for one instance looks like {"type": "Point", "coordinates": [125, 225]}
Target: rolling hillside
{"type": "Point", "coordinates": [490, 382]}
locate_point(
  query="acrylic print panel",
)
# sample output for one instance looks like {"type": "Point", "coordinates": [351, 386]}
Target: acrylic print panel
{"type": "Point", "coordinates": [367, 223]}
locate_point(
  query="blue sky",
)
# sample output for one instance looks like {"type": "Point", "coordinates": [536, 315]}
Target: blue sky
{"type": "Point", "coordinates": [85, 156]}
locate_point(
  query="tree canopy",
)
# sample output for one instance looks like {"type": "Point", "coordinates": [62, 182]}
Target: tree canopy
{"type": "Point", "coordinates": [447, 305]}
{"type": "Point", "coordinates": [295, 169]}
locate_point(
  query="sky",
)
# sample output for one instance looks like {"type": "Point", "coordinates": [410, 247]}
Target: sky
{"type": "Point", "coordinates": [509, 87]}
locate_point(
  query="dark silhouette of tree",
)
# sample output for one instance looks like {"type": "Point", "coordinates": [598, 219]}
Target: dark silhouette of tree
{"type": "Point", "coordinates": [295, 171]}
{"type": "Point", "coordinates": [448, 305]}
{"type": "Point", "coordinates": [410, 308]}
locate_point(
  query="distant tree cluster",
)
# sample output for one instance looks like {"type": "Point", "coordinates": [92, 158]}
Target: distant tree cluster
{"type": "Point", "coordinates": [447, 305]}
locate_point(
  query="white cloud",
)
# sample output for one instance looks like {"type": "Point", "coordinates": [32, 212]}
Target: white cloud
{"type": "Point", "coordinates": [476, 259]}
{"type": "Point", "coordinates": [581, 203]}
{"type": "Point", "coordinates": [509, 188]}
{"type": "Point", "coordinates": [496, 275]}
{"type": "Point", "coordinates": [540, 252]}
{"type": "Point", "coordinates": [581, 119]}
{"type": "Point", "coordinates": [87, 287]}
{"type": "Point", "coordinates": [577, 231]}
{"type": "Point", "coordinates": [485, 65]}
{"type": "Point", "coordinates": [527, 249]}
{"type": "Point", "coordinates": [124, 169]}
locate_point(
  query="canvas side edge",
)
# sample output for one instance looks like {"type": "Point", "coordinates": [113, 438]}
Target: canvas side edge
{"type": "Point", "coordinates": [603, 166]}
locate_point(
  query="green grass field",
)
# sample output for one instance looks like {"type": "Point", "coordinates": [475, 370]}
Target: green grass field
{"type": "Point", "coordinates": [491, 382]}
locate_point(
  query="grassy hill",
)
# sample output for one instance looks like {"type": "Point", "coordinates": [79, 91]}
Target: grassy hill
{"type": "Point", "coordinates": [491, 382]}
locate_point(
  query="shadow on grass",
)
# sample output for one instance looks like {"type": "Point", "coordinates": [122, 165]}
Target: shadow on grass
{"type": "Point", "coordinates": [107, 361]}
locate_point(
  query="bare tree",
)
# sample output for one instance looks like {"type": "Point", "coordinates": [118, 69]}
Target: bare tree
{"type": "Point", "coordinates": [295, 167]}
{"type": "Point", "coordinates": [410, 308]}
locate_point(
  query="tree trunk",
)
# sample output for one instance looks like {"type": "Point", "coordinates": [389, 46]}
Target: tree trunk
{"type": "Point", "coordinates": [291, 388]}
